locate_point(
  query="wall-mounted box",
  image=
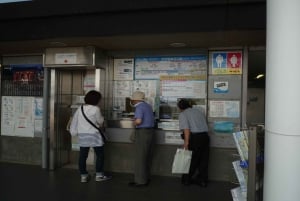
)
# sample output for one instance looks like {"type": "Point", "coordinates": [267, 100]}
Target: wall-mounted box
{"type": "Point", "coordinates": [74, 56]}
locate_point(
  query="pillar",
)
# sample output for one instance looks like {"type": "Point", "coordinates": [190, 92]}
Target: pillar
{"type": "Point", "coordinates": [282, 125]}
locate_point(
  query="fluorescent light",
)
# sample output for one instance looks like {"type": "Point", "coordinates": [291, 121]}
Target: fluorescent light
{"type": "Point", "coordinates": [259, 76]}
{"type": "Point", "coordinates": [12, 1]}
{"type": "Point", "coordinates": [177, 44]}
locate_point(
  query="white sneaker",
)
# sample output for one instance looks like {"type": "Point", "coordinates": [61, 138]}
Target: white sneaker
{"type": "Point", "coordinates": [85, 178]}
{"type": "Point", "coordinates": [102, 177]}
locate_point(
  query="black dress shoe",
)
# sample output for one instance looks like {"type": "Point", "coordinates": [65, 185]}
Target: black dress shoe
{"type": "Point", "coordinates": [133, 184]}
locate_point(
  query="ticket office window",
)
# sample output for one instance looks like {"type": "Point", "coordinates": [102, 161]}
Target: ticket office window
{"type": "Point", "coordinates": [163, 79]}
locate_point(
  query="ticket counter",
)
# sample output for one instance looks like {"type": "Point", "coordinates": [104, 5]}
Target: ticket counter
{"type": "Point", "coordinates": [214, 86]}
{"type": "Point", "coordinates": [212, 80]}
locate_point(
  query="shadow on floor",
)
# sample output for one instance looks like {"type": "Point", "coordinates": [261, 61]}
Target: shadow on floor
{"type": "Point", "coordinates": [32, 183]}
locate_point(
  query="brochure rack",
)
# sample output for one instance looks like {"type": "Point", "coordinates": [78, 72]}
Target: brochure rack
{"type": "Point", "coordinates": [249, 169]}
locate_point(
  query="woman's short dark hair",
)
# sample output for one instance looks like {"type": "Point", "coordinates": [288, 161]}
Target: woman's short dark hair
{"type": "Point", "coordinates": [183, 104]}
{"type": "Point", "coordinates": [92, 97]}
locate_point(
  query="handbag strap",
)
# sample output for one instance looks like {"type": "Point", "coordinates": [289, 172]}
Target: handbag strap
{"type": "Point", "coordinates": [102, 135]}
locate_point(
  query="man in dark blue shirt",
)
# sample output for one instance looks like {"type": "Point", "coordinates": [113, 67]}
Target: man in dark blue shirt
{"type": "Point", "coordinates": [144, 139]}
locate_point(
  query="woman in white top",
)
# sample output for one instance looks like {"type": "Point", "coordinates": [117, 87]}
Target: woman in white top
{"type": "Point", "coordinates": [88, 135]}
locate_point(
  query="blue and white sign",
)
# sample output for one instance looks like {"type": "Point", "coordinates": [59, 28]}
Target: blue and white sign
{"type": "Point", "coordinates": [220, 87]}
{"type": "Point", "coordinates": [220, 60]}
{"type": "Point", "coordinates": [154, 67]}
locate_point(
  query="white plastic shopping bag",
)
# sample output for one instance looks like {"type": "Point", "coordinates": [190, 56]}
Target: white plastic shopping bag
{"type": "Point", "coordinates": [182, 161]}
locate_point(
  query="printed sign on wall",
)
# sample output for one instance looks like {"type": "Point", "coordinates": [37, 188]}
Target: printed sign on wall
{"type": "Point", "coordinates": [227, 109]}
{"type": "Point", "coordinates": [17, 116]}
{"type": "Point", "coordinates": [220, 87]}
{"type": "Point", "coordinates": [123, 69]}
{"type": "Point", "coordinates": [154, 67]}
{"type": "Point", "coordinates": [229, 62]}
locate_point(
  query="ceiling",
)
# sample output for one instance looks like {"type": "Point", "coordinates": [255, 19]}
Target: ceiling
{"type": "Point", "coordinates": [141, 42]}
{"type": "Point", "coordinates": [151, 43]}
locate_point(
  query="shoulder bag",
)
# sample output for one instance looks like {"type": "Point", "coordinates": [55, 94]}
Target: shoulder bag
{"type": "Point", "coordinates": [100, 131]}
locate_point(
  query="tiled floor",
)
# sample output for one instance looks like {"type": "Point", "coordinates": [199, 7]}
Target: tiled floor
{"type": "Point", "coordinates": [32, 183]}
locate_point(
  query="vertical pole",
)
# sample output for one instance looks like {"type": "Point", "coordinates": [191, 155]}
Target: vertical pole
{"type": "Point", "coordinates": [251, 186]}
{"type": "Point", "coordinates": [282, 133]}
{"type": "Point", "coordinates": [45, 120]}
{"type": "Point", "coordinates": [244, 88]}
{"type": "Point", "coordinates": [52, 137]}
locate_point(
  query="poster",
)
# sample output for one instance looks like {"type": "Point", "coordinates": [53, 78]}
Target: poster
{"type": "Point", "coordinates": [226, 62]}
{"type": "Point", "coordinates": [227, 109]}
{"type": "Point", "coordinates": [221, 87]}
{"type": "Point", "coordinates": [24, 73]}
{"type": "Point", "coordinates": [21, 116]}
{"type": "Point", "coordinates": [89, 81]}
{"type": "Point", "coordinates": [38, 108]}
{"type": "Point", "coordinates": [154, 67]}
{"type": "Point", "coordinates": [123, 69]}
{"type": "Point", "coordinates": [124, 89]}
{"type": "Point", "coordinates": [183, 86]}
{"type": "Point", "coordinates": [121, 90]}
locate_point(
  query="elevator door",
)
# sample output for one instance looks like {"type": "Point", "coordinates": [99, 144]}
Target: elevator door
{"type": "Point", "coordinates": [65, 84]}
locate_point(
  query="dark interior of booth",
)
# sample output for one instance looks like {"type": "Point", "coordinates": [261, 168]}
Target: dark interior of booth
{"type": "Point", "coordinates": [256, 69]}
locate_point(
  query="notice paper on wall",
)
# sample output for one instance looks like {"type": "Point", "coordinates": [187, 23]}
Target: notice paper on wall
{"type": "Point", "coordinates": [123, 69]}
{"type": "Point", "coordinates": [17, 118]}
{"type": "Point", "coordinates": [123, 89]}
{"type": "Point", "coordinates": [154, 67]}
{"type": "Point", "coordinates": [89, 81]}
{"type": "Point", "coordinates": [227, 109]}
{"type": "Point", "coordinates": [183, 86]}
